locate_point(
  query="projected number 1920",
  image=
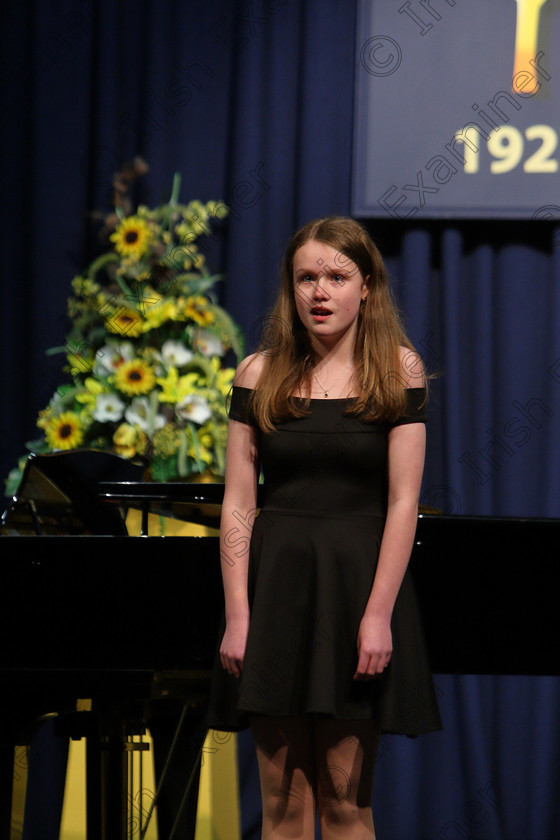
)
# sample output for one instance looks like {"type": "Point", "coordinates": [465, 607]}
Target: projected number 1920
{"type": "Point", "coordinates": [507, 146]}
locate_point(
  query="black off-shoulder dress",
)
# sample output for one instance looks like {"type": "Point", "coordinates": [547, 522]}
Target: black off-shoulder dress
{"type": "Point", "coordinates": [313, 555]}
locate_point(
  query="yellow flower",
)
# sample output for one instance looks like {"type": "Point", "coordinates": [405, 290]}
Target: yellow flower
{"type": "Point", "coordinates": [79, 361]}
{"type": "Point", "coordinates": [155, 316]}
{"type": "Point", "coordinates": [185, 232]}
{"type": "Point", "coordinates": [217, 209]}
{"type": "Point", "coordinates": [218, 378]}
{"type": "Point", "coordinates": [132, 237]}
{"type": "Point", "coordinates": [129, 440]}
{"type": "Point", "coordinates": [44, 419]}
{"type": "Point", "coordinates": [175, 388]}
{"type": "Point", "coordinates": [203, 447]}
{"type": "Point", "coordinates": [64, 431]}
{"type": "Point", "coordinates": [224, 380]}
{"type": "Point", "coordinates": [135, 377]}
{"type": "Point", "coordinates": [205, 436]}
{"type": "Point", "coordinates": [125, 322]}
{"type": "Point", "coordinates": [166, 442]}
{"type": "Point", "coordinates": [88, 396]}
{"type": "Point", "coordinates": [186, 256]}
{"type": "Point", "coordinates": [196, 308]}
{"type": "Point", "coordinates": [202, 452]}
{"type": "Point", "coordinates": [198, 260]}
{"type": "Point", "coordinates": [85, 287]}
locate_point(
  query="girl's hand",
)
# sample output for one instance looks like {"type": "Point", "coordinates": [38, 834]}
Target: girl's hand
{"type": "Point", "coordinates": [234, 642]}
{"type": "Point", "coordinates": [375, 646]}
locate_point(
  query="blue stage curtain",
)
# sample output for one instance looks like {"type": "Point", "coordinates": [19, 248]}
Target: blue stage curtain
{"type": "Point", "coordinates": [480, 301]}
{"type": "Point", "coordinates": [253, 103]}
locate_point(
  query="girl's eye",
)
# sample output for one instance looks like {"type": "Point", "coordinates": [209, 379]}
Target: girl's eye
{"type": "Point", "coordinates": [311, 278]}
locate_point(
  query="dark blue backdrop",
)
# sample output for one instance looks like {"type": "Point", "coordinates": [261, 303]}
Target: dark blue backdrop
{"type": "Point", "coordinates": [253, 102]}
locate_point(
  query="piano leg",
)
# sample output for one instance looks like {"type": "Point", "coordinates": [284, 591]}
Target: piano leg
{"type": "Point", "coordinates": [93, 790]}
{"type": "Point", "coordinates": [38, 813]}
{"type": "Point", "coordinates": [114, 787]}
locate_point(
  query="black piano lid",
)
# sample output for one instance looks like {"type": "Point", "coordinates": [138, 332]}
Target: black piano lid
{"type": "Point", "coordinates": [58, 494]}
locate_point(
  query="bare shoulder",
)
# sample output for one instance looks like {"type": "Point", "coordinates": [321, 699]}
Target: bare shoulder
{"type": "Point", "coordinates": [249, 370]}
{"type": "Point", "coordinates": [412, 368]}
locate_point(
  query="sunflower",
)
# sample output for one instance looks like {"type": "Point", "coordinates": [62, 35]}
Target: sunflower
{"type": "Point", "coordinates": [135, 377]}
{"type": "Point", "coordinates": [125, 322]}
{"type": "Point", "coordinates": [196, 308]}
{"type": "Point", "coordinates": [132, 237]}
{"type": "Point", "coordinates": [64, 431]}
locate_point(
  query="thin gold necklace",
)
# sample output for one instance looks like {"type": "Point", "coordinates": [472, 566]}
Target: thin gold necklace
{"type": "Point", "coordinates": [326, 390]}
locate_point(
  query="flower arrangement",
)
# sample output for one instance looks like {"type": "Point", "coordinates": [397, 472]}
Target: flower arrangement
{"type": "Point", "coordinates": [146, 349]}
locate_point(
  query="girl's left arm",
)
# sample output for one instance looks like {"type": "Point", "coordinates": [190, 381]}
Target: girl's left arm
{"type": "Point", "coordinates": [406, 451]}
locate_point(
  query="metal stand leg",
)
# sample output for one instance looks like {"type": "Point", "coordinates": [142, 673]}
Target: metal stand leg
{"type": "Point", "coordinates": [110, 750]}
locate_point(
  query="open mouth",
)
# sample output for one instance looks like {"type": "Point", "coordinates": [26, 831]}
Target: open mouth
{"type": "Point", "coordinates": [320, 312]}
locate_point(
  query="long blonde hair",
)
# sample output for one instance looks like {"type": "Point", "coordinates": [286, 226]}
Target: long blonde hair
{"type": "Point", "coordinates": [286, 347]}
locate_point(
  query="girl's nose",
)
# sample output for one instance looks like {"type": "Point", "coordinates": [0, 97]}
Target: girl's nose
{"type": "Point", "coordinates": [319, 287]}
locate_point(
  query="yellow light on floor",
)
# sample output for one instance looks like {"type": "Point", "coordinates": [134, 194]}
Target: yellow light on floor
{"type": "Point", "coordinates": [218, 815]}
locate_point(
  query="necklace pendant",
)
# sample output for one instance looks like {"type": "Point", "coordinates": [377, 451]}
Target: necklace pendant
{"type": "Point", "coordinates": [326, 394]}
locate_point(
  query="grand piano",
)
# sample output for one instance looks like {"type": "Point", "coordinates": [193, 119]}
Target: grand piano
{"type": "Point", "coordinates": [132, 622]}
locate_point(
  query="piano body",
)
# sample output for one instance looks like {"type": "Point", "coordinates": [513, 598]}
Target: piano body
{"type": "Point", "coordinates": [132, 622]}
{"type": "Point", "coordinates": [128, 624]}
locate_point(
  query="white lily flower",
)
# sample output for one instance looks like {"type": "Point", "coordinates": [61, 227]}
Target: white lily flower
{"type": "Point", "coordinates": [138, 414]}
{"type": "Point", "coordinates": [208, 343]}
{"type": "Point", "coordinates": [175, 353]}
{"type": "Point", "coordinates": [110, 356]}
{"type": "Point", "coordinates": [108, 408]}
{"type": "Point", "coordinates": [56, 403]}
{"type": "Point", "coordinates": [193, 407]}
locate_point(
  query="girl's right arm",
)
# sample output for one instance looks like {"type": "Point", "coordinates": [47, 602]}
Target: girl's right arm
{"type": "Point", "coordinates": [239, 509]}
